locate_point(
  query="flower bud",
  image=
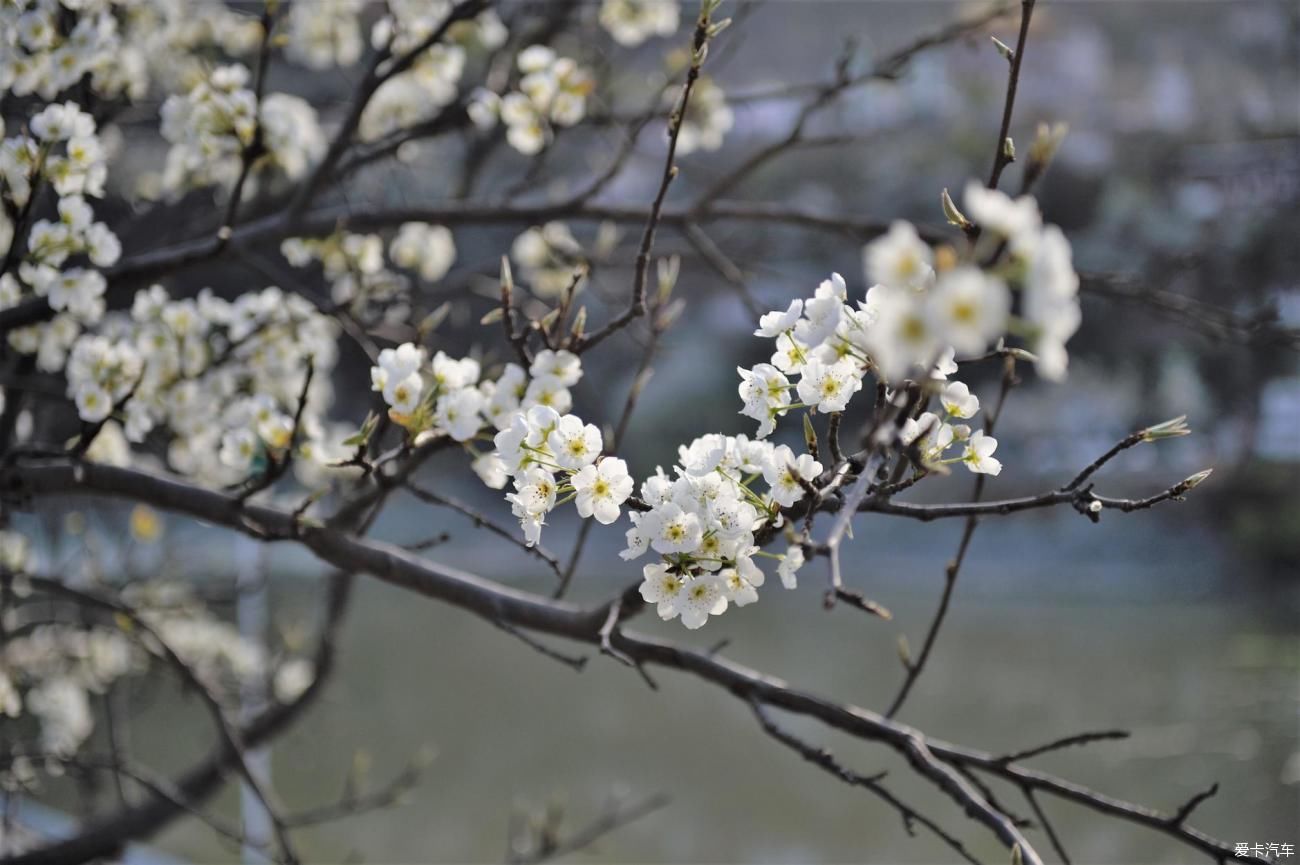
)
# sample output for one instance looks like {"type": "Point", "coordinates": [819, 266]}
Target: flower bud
{"type": "Point", "coordinates": [1173, 428]}
{"type": "Point", "coordinates": [952, 213]}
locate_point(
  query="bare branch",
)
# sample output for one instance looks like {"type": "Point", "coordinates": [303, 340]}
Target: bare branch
{"type": "Point", "coordinates": [823, 759]}
{"type": "Point", "coordinates": [1185, 811]}
{"type": "Point", "coordinates": [1067, 742]}
{"type": "Point", "coordinates": [637, 307]}
{"type": "Point", "coordinates": [951, 572]}
{"type": "Point", "coordinates": [1002, 155]}
{"type": "Point", "coordinates": [524, 610]}
{"type": "Point", "coordinates": [482, 521]}
{"type": "Point", "coordinates": [618, 815]}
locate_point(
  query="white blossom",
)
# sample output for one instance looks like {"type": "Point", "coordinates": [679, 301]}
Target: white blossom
{"type": "Point", "coordinates": [601, 489]}
{"type": "Point", "coordinates": [899, 259]}
{"type": "Point", "coordinates": [978, 456]}
{"type": "Point", "coordinates": [958, 401]}
{"type": "Point", "coordinates": [632, 22]}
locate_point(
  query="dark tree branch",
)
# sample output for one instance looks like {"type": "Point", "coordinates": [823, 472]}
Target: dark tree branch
{"type": "Point", "coordinates": [823, 759]}
{"type": "Point", "coordinates": [637, 306]}
{"type": "Point", "coordinates": [104, 836]}
{"type": "Point", "coordinates": [951, 572]}
{"type": "Point", "coordinates": [1002, 155]}
{"type": "Point", "coordinates": [1067, 742]}
{"type": "Point", "coordinates": [551, 846]}
{"type": "Point", "coordinates": [381, 68]}
{"type": "Point", "coordinates": [1047, 827]}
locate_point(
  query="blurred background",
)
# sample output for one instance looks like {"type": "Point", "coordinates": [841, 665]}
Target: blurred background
{"type": "Point", "coordinates": [1178, 185]}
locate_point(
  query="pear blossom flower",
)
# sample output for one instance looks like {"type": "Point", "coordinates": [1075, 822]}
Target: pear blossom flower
{"type": "Point", "coordinates": [773, 324]}
{"type": "Point", "coordinates": [427, 249]}
{"type": "Point", "coordinates": [784, 471]}
{"type": "Point", "coordinates": [822, 312]}
{"type": "Point", "coordinates": [458, 413]}
{"type": "Point", "coordinates": [637, 542]}
{"type": "Point", "coordinates": [491, 470]}
{"type": "Point", "coordinates": [929, 434]}
{"type": "Point", "coordinates": [395, 364]}
{"type": "Point", "coordinates": [533, 500]}
{"type": "Point", "coordinates": [404, 394]}
{"type": "Point", "coordinates": [631, 22]}
{"type": "Point", "coordinates": [978, 456]}
{"type": "Point", "coordinates": [765, 390]}
{"type": "Point", "coordinates": [671, 529]}
{"type": "Point", "coordinates": [563, 366]}
{"type": "Point", "coordinates": [574, 444]}
{"type": "Point", "coordinates": [452, 374]}
{"type": "Point", "coordinates": [904, 334]}
{"type": "Point", "coordinates": [828, 387]}
{"type": "Point", "coordinates": [663, 588]}
{"type": "Point", "coordinates": [969, 308]}
{"type": "Point", "coordinates": [995, 211]}
{"type": "Point", "coordinates": [601, 489]}
{"type": "Point", "coordinates": [702, 597]}
{"type": "Point", "coordinates": [791, 354]}
{"type": "Point", "coordinates": [958, 401]}
{"type": "Point", "coordinates": [93, 403]}
{"type": "Point", "coordinates": [548, 392]}
{"type": "Point", "coordinates": [1051, 303]}
{"type": "Point", "coordinates": [945, 366]}
{"type": "Point", "coordinates": [740, 584]}
{"type": "Point", "coordinates": [791, 562]}
{"type": "Point", "coordinates": [238, 448]}
{"type": "Point", "coordinates": [708, 117]}
{"type": "Point", "coordinates": [899, 259]}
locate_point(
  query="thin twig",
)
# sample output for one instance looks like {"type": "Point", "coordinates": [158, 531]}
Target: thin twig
{"type": "Point", "coordinates": [1002, 156]}
{"type": "Point", "coordinates": [1047, 827]}
{"type": "Point", "coordinates": [482, 521]}
{"type": "Point", "coordinates": [951, 572]}
{"type": "Point", "coordinates": [823, 759]}
{"type": "Point", "coordinates": [637, 306]}
{"type": "Point", "coordinates": [1067, 742]}
{"type": "Point", "coordinates": [615, 818]}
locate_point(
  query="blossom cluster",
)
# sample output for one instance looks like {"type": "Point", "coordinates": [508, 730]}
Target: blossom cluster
{"type": "Point", "coordinates": [547, 256]}
{"type": "Point", "coordinates": [433, 80]}
{"type": "Point", "coordinates": [213, 124]}
{"type": "Point", "coordinates": [359, 279]}
{"type": "Point", "coordinates": [921, 312]}
{"type": "Point", "coordinates": [52, 671]}
{"type": "Point", "coordinates": [552, 92]}
{"type": "Point", "coordinates": [554, 458]}
{"type": "Point", "coordinates": [703, 520]}
{"type": "Point", "coordinates": [60, 149]}
{"type": "Point", "coordinates": [1040, 263]}
{"type": "Point", "coordinates": [446, 396]}
{"type": "Point", "coordinates": [325, 33]}
{"type": "Point", "coordinates": [631, 22]}
{"type": "Point", "coordinates": [932, 434]}
{"type": "Point", "coordinates": [707, 520]}
{"type": "Point", "coordinates": [222, 380]}
{"type": "Point", "coordinates": [922, 302]}
{"type": "Point", "coordinates": [117, 47]}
